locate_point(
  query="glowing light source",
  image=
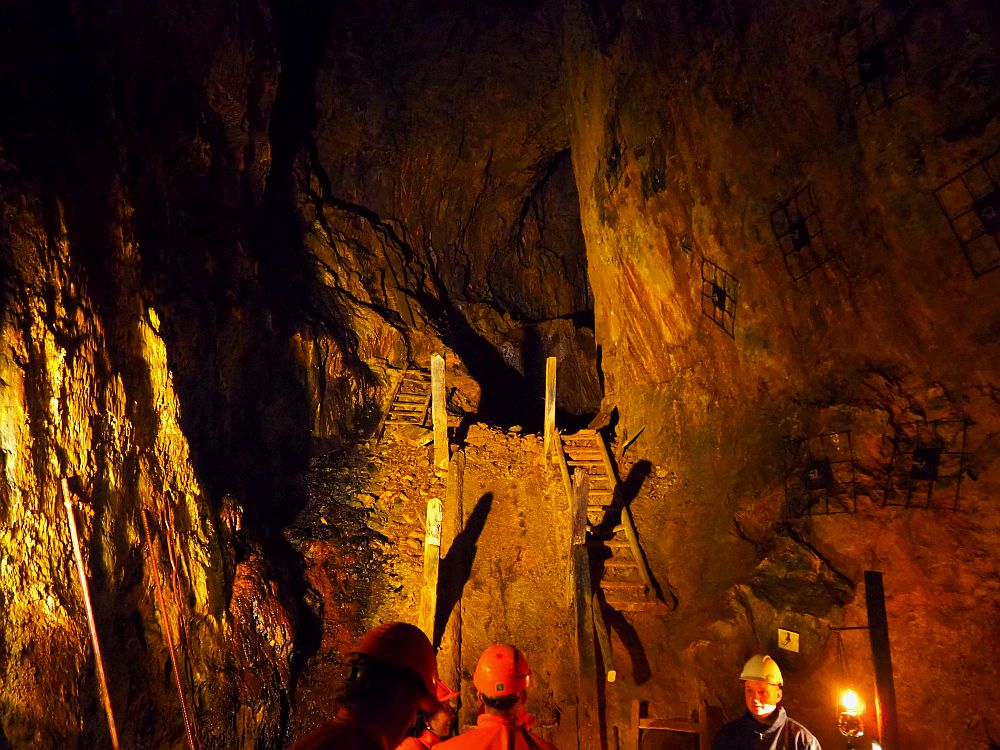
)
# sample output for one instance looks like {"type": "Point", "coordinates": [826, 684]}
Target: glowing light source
{"type": "Point", "coordinates": [850, 713]}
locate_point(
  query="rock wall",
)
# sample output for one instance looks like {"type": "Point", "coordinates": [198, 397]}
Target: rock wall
{"type": "Point", "coordinates": [765, 194]}
{"type": "Point", "coordinates": [137, 361]}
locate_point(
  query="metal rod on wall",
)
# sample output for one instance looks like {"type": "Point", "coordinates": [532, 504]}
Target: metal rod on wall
{"type": "Point", "coordinates": [98, 661]}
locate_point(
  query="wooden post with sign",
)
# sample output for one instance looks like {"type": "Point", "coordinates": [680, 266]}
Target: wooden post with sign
{"type": "Point", "coordinates": [439, 414]}
{"type": "Point", "coordinates": [878, 632]}
{"type": "Point", "coordinates": [432, 562]}
{"type": "Point", "coordinates": [550, 404]}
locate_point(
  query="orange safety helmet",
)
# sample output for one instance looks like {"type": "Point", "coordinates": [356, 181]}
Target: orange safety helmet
{"type": "Point", "coordinates": [444, 693]}
{"type": "Point", "coordinates": [402, 645]}
{"type": "Point", "coordinates": [501, 670]}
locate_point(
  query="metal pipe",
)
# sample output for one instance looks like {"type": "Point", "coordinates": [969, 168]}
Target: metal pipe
{"type": "Point", "coordinates": [98, 661]}
{"type": "Point", "coordinates": [167, 634]}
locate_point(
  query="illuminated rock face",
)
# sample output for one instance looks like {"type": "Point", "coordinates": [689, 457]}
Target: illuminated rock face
{"type": "Point", "coordinates": [762, 191]}
{"type": "Point", "coordinates": [764, 234]}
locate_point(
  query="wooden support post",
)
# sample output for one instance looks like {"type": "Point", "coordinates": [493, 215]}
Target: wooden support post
{"type": "Point", "coordinates": [632, 740]}
{"type": "Point", "coordinates": [587, 718]}
{"type": "Point", "coordinates": [432, 562]}
{"type": "Point", "coordinates": [453, 521]}
{"type": "Point", "coordinates": [439, 413]}
{"type": "Point", "coordinates": [550, 404]}
{"type": "Point", "coordinates": [98, 660]}
{"type": "Point", "coordinates": [878, 632]}
{"type": "Point", "coordinates": [607, 656]}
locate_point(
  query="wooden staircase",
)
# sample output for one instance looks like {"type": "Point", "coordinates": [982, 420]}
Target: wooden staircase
{"type": "Point", "coordinates": [411, 401]}
{"type": "Point", "coordinates": [616, 559]}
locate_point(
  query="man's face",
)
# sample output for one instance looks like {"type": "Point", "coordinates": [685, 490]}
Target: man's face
{"type": "Point", "coordinates": [761, 697]}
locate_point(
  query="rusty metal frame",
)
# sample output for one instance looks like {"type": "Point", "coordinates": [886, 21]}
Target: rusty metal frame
{"type": "Point", "coordinates": [971, 203]}
{"type": "Point", "coordinates": [718, 296]}
{"type": "Point", "coordinates": [928, 461]}
{"type": "Point", "coordinates": [799, 233]}
{"type": "Point", "coordinates": [822, 475]}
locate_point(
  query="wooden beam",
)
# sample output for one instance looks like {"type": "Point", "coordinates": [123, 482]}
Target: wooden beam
{"type": "Point", "coordinates": [439, 413]}
{"type": "Point", "coordinates": [603, 640]}
{"type": "Point", "coordinates": [453, 521]}
{"type": "Point", "coordinates": [878, 632]}
{"type": "Point", "coordinates": [550, 404]}
{"type": "Point", "coordinates": [587, 714]}
{"type": "Point", "coordinates": [432, 562]}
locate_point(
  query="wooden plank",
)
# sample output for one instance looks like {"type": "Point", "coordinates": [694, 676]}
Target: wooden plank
{"type": "Point", "coordinates": [440, 415]}
{"type": "Point", "coordinates": [588, 710]}
{"type": "Point", "coordinates": [632, 740]}
{"type": "Point", "coordinates": [453, 521]}
{"type": "Point", "coordinates": [432, 563]}
{"type": "Point", "coordinates": [633, 543]}
{"type": "Point", "coordinates": [670, 725]}
{"type": "Point", "coordinates": [387, 415]}
{"type": "Point", "coordinates": [878, 634]}
{"type": "Point", "coordinates": [550, 404]}
{"type": "Point", "coordinates": [603, 640]}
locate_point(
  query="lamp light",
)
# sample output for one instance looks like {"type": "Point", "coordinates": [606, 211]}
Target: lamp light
{"type": "Point", "coordinates": [850, 716]}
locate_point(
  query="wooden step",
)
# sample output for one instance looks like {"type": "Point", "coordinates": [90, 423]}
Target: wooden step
{"type": "Point", "coordinates": [633, 585]}
{"type": "Point", "coordinates": [613, 562]}
{"type": "Point", "coordinates": [411, 397]}
{"type": "Point", "coordinates": [583, 436]}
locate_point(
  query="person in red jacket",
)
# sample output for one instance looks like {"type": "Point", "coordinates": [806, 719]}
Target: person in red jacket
{"type": "Point", "coordinates": [437, 725]}
{"type": "Point", "coordinates": [501, 678]}
{"type": "Point", "coordinates": [393, 675]}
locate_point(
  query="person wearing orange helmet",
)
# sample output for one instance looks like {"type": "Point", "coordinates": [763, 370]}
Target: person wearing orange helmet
{"type": "Point", "coordinates": [501, 678]}
{"type": "Point", "coordinates": [393, 676]}
{"type": "Point", "coordinates": [437, 726]}
{"type": "Point", "coordinates": [765, 725]}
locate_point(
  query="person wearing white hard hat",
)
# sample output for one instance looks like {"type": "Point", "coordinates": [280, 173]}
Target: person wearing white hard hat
{"type": "Point", "coordinates": [765, 725]}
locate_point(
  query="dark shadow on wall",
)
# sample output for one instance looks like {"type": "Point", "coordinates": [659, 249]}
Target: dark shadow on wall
{"type": "Point", "coordinates": [456, 566]}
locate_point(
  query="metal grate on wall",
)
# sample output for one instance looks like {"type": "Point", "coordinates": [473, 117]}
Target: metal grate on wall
{"type": "Point", "coordinates": [971, 202]}
{"type": "Point", "coordinates": [873, 59]}
{"type": "Point", "coordinates": [799, 233]}
{"type": "Point", "coordinates": [822, 475]}
{"type": "Point", "coordinates": [718, 296]}
{"type": "Point", "coordinates": [928, 460]}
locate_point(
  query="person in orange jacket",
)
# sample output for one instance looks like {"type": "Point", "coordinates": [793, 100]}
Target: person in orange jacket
{"type": "Point", "coordinates": [393, 676]}
{"type": "Point", "coordinates": [501, 678]}
{"type": "Point", "coordinates": [437, 725]}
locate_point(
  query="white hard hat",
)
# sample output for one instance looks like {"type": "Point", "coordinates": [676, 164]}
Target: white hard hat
{"type": "Point", "coordinates": [761, 667]}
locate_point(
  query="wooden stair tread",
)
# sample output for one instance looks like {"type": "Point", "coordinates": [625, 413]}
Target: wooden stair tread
{"type": "Point", "coordinates": [671, 725]}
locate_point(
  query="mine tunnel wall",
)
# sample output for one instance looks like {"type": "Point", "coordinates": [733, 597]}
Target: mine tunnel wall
{"type": "Point", "coordinates": [217, 247]}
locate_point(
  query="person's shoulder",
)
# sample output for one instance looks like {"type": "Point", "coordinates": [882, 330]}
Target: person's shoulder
{"type": "Point", "coordinates": [411, 743]}
{"type": "Point", "coordinates": [468, 738]}
{"type": "Point", "coordinates": [729, 733]}
{"type": "Point", "coordinates": [802, 734]}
